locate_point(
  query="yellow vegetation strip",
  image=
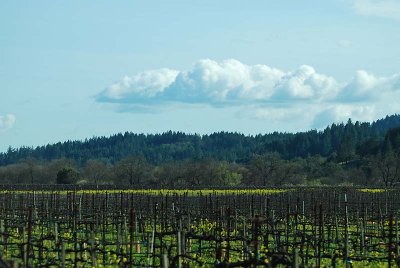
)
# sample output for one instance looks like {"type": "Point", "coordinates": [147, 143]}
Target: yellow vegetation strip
{"type": "Point", "coordinates": [160, 191]}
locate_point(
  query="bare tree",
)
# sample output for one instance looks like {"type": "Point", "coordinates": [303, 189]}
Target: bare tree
{"type": "Point", "coordinates": [388, 167]}
{"type": "Point", "coordinates": [31, 166]}
{"type": "Point", "coordinates": [263, 167]}
{"type": "Point", "coordinates": [132, 168]}
{"type": "Point", "coordinates": [96, 171]}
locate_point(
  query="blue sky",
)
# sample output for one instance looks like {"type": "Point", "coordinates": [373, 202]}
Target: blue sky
{"type": "Point", "coordinates": [76, 69]}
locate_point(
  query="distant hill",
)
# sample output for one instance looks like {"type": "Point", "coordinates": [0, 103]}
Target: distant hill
{"type": "Point", "coordinates": [339, 139]}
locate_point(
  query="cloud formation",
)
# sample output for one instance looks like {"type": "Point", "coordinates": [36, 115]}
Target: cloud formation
{"type": "Point", "coordinates": [147, 84]}
{"type": "Point", "coordinates": [368, 87]}
{"type": "Point", "coordinates": [224, 83]}
{"type": "Point", "coordinates": [305, 84]}
{"type": "Point", "coordinates": [6, 122]}
{"type": "Point", "coordinates": [234, 83]}
{"type": "Point", "coordinates": [207, 82]}
{"type": "Point", "coordinates": [266, 91]}
{"type": "Point", "coordinates": [378, 8]}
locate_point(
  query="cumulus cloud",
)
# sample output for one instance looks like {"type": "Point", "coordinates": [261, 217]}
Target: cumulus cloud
{"type": "Point", "coordinates": [231, 82]}
{"type": "Point", "coordinates": [306, 83]}
{"type": "Point", "coordinates": [259, 92]}
{"type": "Point", "coordinates": [141, 86]}
{"type": "Point", "coordinates": [379, 8]}
{"type": "Point", "coordinates": [222, 83]}
{"type": "Point", "coordinates": [7, 122]}
{"type": "Point", "coordinates": [366, 86]}
{"type": "Point", "coordinates": [208, 81]}
{"type": "Point", "coordinates": [228, 81]}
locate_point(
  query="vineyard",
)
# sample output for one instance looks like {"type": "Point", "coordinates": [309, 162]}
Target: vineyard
{"type": "Point", "coordinates": [299, 227]}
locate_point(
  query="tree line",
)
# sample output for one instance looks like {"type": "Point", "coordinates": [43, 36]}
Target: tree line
{"type": "Point", "coordinates": [351, 153]}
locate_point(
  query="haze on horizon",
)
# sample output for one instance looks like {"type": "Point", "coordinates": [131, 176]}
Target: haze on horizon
{"type": "Point", "coordinates": [76, 69]}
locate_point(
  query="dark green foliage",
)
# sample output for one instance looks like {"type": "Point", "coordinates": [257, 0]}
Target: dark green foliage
{"type": "Point", "coordinates": [67, 175]}
{"type": "Point", "coordinates": [392, 140]}
{"type": "Point", "coordinates": [344, 139]}
{"type": "Point", "coordinates": [359, 153]}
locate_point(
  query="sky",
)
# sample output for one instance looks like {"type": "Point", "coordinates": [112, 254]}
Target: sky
{"type": "Point", "coordinates": [71, 70]}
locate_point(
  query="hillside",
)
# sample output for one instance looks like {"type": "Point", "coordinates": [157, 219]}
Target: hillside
{"type": "Point", "coordinates": [341, 139]}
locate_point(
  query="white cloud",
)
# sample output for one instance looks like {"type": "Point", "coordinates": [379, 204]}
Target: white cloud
{"type": "Point", "coordinates": [231, 82]}
{"type": "Point", "coordinates": [302, 96]}
{"type": "Point", "coordinates": [7, 122]}
{"type": "Point", "coordinates": [366, 87]}
{"type": "Point", "coordinates": [379, 8]}
{"type": "Point", "coordinates": [305, 83]}
{"type": "Point", "coordinates": [228, 81]}
{"type": "Point", "coordinates": [145, 84]}
{"type": "Point", "coordinates": [225, 83]}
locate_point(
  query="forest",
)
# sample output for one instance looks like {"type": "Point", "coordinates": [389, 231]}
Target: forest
{"type": "Point", "coordinates": [351, 153]}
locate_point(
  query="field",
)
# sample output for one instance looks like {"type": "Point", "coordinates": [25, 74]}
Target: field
{"type": "Point", "coordinates": [299, 227]}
